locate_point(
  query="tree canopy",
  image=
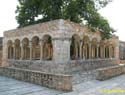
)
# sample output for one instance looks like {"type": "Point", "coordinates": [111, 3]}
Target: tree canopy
{"type": "Point", "coordinates": [79, 11]}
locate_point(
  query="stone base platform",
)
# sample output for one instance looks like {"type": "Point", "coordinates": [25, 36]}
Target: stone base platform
{"type": "Point", "coordinates": [56, 81]}
{"type": "Point", "coordinates": [109, 72]}
{"type": "Point", "coordinates": [62, 81]}
{"type": "Point", "coordinates": [122, 61]}
{"type": "Point", "coordinates": [62, 76]}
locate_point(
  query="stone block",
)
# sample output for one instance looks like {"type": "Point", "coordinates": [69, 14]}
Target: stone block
{"type": "Point", "coordinates": [56, 81]}
{"type": "Point", "coordinates": [109, 72]}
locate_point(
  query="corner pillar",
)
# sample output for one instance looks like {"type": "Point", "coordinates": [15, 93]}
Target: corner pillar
{"type": "Point", "coordinates": [61, 50]}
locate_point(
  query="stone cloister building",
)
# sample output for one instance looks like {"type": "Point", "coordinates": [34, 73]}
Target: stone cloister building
{"type": "Point", "coordinates": [57, 42]}
{"type": "Point", "coordinates": [58, 54]}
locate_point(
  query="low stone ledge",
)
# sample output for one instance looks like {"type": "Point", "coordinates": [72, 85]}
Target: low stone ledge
{"type": "Point", "coordinates": [56, 81]}
{"type": "Point", "coordinates": [109, 72]}
{"type": "Point", "coordinates": [122, 61]}
{"type": "Point", "coordinates": [65, 68]}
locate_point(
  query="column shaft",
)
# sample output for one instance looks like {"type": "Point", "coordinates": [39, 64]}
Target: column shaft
{"type": "Point", "coordinates": [110, 52]}
{"type": "Point", "coordinates": [75, 50]}
{"type": "Point", "coordinates": [41, 50]}
{"type": "Point", "coordinates": [10, 51]}
{"type": "Point", "coordinates": [22, 52]}
{"type": "Point", "coordinates": [80, 51]}
{"type": "Point", "coordinates": [90, 51]}
{"type": "Point", "coordinates": [30, 45]}
{"type": "Point", "coordinates": [14, 52]}
{"type": "Point", "coordinates": [97, 51]}
{"type": "Point", "coordinates": [104, 51]}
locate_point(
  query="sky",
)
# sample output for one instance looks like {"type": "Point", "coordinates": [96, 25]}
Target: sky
{"type": "Point", "coordinates": [113, 12]}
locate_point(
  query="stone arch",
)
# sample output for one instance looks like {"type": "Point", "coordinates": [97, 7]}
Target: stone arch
{"type": "Point", "coordinates": [17, 49]}
{"type": "Point", "coordinates": [35, 48]}
{"type": "Point", "coordinates": [94, 48]}
{"type": "Point", "coordinates": [85, 47]}
{"type": "Point", "coordinates": [26, 49]}
{"type": "Point", "coordinates": [44, 35]}
{"type": "Point", "coordinates": [10, 49]}
{"type": "Point", "coordinates": [75, 47]}
{"type": "Point", "coordinates": [76, 34]}
{"type": "Point", "coordinates": [47, 47]}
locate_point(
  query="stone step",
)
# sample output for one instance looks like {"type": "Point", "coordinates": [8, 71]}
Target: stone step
{"type": "Point", "coordinates": [80, 77]}
{"type": "Point", "coordinates": [84, 76]}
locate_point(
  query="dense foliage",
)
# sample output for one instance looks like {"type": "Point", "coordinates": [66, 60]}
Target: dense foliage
{"type": "Point", "coordinates": [80, 11]}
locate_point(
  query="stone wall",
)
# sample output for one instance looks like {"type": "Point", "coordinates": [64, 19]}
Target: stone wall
{"type": "Point", "coordinates": [122, 61]}
{"type": "Point", "coordinates": [56, 81]}
{"type": "Point", "coordinates": [122, 50]}
{"type": "Point", "coordinates": [109, 72]}
{"type": "Point", "coordinates": [44, 66]}
{"type": "Point", "coordinates": [0, 57]}
{"type": "Point", "coordinates": [71, 66]}
{"type": "Point", "coordinates": [91, 64]}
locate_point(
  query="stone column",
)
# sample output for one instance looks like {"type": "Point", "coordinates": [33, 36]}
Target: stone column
{"type": "Point", "coordinates": [86, 51]}
{"type": "Point", "coordinates": [117, 51]}
{"type": "Point", "coordinates": [90, 53]}
{"type": "Point", "coordinates": [104, 51]}
{"type": "Point", "coordinates": [22, 51]}
{"type": "Point", "coordinates": [9, 52]}
{"type": "Point", "coordinates": [30, 45]}
{"type": "Point", "coordinates": [5, 53]}
{"type": "Point", "coordinates": [14, 52]}
{"type": "Point", "coordinates": [113, 56]}
{"type": "Point", "coordinates": [110, 51]}
{"type": "Point", "coordinates": [101, 51]}
{"type": "Point", "coordinates": [41, 49]}
{"type": "Point", "coordinates": [80, 51]}
{"type": "Point", "coordinates": [76, 50]}
{"type": "Point", "coordinates": [97, 48]}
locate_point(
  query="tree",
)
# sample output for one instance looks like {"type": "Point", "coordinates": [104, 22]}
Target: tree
{"type": "Point", "coordinates": [79, 11]}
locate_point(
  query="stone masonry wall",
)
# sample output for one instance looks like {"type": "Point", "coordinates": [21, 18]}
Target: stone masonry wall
{"type": "Point", "coordinates": [91, 64]}
{"type": "Point", "coordinates": [44, 66]}
{"type": "Point", "coordinates": [56, 81]}
{"type": "Point", "coordinates": [109, 72]}
{"type": "Point", "coordinates": [87, 72]}
{"type": "Point", "coordinates": [122, 61]}
{"type": "Point", "coordinates": [122, 50]}
{"type": "Point", "coordinates": [71, 66]}
{"type": "Point", "coordinates": [0, 57]}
